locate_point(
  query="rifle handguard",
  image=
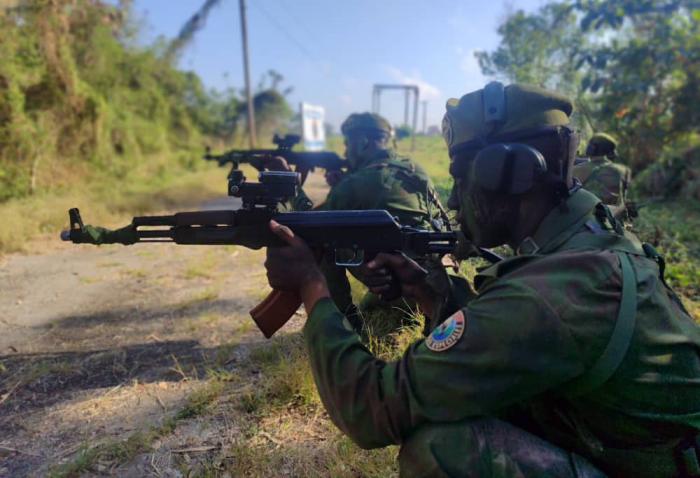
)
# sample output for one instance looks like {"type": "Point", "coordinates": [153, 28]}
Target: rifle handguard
{"type": "Point", "coordinates": [275, 311]}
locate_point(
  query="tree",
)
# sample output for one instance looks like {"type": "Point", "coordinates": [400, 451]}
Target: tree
{"type": "Point", "coordinates": [272, 111]}
{"type": "Point", "coordinates": [645, 79]}
{"type": "Point", "coordinates": [536, 48]}
{"type": "Point", "coordinates": [632, 66]}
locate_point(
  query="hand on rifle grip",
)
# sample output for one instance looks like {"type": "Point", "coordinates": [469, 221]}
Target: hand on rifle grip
{"type": "Point", "coordinates": [275, 163]}
{"type": "Point", "coordinates": [392, 275]}
{"type": "Point", "coordinates": [293, 272]}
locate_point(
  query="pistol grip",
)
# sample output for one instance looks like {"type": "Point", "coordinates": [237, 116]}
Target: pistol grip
{"type": "Point", "coordinates": [275, 311]}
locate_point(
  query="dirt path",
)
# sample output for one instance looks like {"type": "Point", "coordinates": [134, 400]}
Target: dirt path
{"type": "Point", "coordinates": [97, 343]}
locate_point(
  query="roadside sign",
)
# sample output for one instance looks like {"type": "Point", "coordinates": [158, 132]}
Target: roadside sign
{"type": "Point", "coordinates": [312, 125]}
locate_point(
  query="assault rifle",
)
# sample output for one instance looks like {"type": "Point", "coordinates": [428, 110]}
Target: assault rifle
{"type": "Point", "coordinates": [304, 161]}
{"type": "Point", "coordinates": [352, 236]}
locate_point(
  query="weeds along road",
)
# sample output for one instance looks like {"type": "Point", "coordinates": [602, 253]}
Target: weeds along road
{"type": "Point", "coordinates": [101, 343]}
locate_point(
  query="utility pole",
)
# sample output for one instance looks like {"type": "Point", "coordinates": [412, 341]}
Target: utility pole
{"type": "Point", "coordinates": [425, 116]}
{"type": "Point", "coordinates": [252, 140]}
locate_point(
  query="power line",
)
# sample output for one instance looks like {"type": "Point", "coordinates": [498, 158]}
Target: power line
{"type": "Point", "coordinates": [281, 28]}
{"type": "Point", "coordinates": [289, 12]}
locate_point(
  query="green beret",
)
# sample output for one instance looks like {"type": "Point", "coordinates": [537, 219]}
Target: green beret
{"type": "Point", "coordinates": [517, 108]}
{"type": "Point", "coordinates": [367, 122]}
{"type": "Point", "coordinates": [601, 144]}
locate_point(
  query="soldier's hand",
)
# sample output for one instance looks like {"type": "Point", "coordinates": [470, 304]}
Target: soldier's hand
{"type": "Point", "coordinates": [294, 267]}
{"type": "Point", "coordinates": [276, 163]}
{"type": "Point", "coordinates": [381, 274]}
{"type": "Point", "coordinates": [333, 177]}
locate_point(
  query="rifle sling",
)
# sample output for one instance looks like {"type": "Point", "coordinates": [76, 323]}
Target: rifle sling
{"type": "Point", "coordinates": [620, 340]}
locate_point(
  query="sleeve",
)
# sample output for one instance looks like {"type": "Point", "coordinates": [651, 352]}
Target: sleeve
{"type": "Point", "coordinates": [512, 347]}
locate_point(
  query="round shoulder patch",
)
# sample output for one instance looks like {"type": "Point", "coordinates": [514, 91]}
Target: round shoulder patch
{"type": "Point", "coordinates": [446, 334]}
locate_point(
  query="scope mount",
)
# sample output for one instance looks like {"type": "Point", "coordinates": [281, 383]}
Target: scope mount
{"type": "Point", "coordinates": [286, 142]}
{"type": "Point", "coordinates": [273, 188]}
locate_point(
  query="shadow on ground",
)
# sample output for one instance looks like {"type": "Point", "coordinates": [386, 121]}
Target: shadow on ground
{"type": "Point", "coordinates": [133, 315]}
{"type": "Point", "coordinates": [38, 381]}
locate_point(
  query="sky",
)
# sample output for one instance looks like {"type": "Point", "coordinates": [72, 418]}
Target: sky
{"type": "Point", "coordinates": [331, 51]}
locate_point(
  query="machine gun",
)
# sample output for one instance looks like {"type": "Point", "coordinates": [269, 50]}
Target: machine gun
{"type": "Point", "coordinates": [351, 236]}
{"type": "Point", "coordinates": [304, 161]}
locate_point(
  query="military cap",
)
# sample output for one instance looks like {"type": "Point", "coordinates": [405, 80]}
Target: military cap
{"type": "Point", "coordinates": [601, 144]}
{"type": "Point", "coordinates": [366, 121]}
{"type": "Point", "coordinates": [496, 110]}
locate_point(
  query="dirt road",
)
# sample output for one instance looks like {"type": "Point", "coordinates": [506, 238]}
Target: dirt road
{"type": "Point", "coordinates": [97, 343]}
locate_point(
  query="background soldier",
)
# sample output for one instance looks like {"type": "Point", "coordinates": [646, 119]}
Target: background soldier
{"type": "Point", "coordinates": [379, 179]}
{"type": "Point", "coordinates": [574, 350]}
{"type": "Point", "coordinates": [606, 179]}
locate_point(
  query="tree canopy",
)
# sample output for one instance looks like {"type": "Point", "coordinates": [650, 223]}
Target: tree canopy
{"type": "Point", "coordinates": [633, 67]}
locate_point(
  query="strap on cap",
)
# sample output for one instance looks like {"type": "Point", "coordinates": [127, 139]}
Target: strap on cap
{"type": "Point", "coordinates": [494, 102]}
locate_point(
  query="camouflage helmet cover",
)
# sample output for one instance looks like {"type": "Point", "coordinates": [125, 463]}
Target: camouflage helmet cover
{"type": "Point", "coordinates": [525, 107]}
{"type": "Point", "coordinates": [601, 144]}
{"type": "Point", "coordinates": [367, 122]}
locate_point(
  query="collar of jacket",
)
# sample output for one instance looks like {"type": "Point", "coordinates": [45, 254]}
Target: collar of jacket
{"type": "Point", "coordinates": [560, 224]}
{"type": "Point", "coordinates": [599, 159]}
{"type": "Point", "coordinates": [378, 159]}
{"type": "Point", "coordinates": [556, 228]}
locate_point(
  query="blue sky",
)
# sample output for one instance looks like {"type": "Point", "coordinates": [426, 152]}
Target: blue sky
{"type": "Point", "coordinates": [332, 51]}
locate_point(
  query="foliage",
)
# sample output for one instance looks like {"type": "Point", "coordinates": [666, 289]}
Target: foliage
{"type": "Point", "coordinates": [633, 67]}
{"type": "Point", "coordinates": [403, 131]}
{"type": "Point", "coordinates": [79, 98]}
{"type": "Point", "coordinates": [534, 49]}
{"type": "Point", "coordinates": [272, 112]}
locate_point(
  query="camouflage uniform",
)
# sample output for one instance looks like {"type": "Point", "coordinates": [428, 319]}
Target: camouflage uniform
{"type": "Point", "coordinates": [604, 178]}
{"type": "Point", "coordinates": [574, 350]}
{"type": "Point", "coordinates": [385, 181]}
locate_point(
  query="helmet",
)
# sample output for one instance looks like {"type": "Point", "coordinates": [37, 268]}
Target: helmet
{"type": "Point", "coordinates": [601, 144]}
{"type": "Point", "coordinates": [366, 122]}
{"type": "Point", "coordinates": [517, 132]}
{"type": "Point", "coordinates": [497, 110]}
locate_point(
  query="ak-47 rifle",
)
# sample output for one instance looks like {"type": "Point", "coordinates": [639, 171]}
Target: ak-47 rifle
{"type": "Point", "coordinates": [353, 236]}
{"type": "Point", "coordinates": [304, 161]}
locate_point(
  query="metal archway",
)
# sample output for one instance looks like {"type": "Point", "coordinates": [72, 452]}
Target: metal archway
{"type": "Point", "coordinates": [408, 90]}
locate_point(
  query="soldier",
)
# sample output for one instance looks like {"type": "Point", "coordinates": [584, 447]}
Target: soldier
{"type": "Point", "coordinates": [575, 358]}
{"type": "Point", "coordinates": [601, 176]}
{"type": "Point", "coordinates": [378, 179]}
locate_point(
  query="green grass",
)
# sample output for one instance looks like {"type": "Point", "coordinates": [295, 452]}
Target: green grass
{"type": "Point", "coordinates": [285, 394]}
{"type": "Point", "coordinates": [673, 227]}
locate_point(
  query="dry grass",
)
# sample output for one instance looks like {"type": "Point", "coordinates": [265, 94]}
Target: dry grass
{"type": "Point", "coordinates": [105, 204]}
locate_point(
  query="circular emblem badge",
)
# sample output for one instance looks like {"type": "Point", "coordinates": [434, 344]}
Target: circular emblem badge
{"type": "Point", "coordinates": [446, 334]}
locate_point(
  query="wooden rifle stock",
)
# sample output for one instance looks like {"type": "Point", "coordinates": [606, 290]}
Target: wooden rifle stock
{"type": "Point", "coordinates": [275, 311]}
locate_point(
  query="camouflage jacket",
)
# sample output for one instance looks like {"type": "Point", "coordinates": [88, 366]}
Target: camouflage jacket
{"type": "Point", "coordinates": [538, 327]}
{"type": "Point", "coordinates": [607, 180]}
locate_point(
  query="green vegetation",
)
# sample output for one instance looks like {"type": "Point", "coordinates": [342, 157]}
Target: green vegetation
{"type": "Point", "coordinates": [632, 66]}
{"type": "Point", "coordinates": [87, 116]}
{"type": "Point", "coordinates": [77, 100]}
{"type": "Point", "coordinates": [284, 394]}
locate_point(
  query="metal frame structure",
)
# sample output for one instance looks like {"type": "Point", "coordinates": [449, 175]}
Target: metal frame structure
{"type": "Point", "coordinates": [408, 89]}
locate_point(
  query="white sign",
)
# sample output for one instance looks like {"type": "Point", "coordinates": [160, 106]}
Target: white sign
{"type": "Point", "coordinates": [312, 129]}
